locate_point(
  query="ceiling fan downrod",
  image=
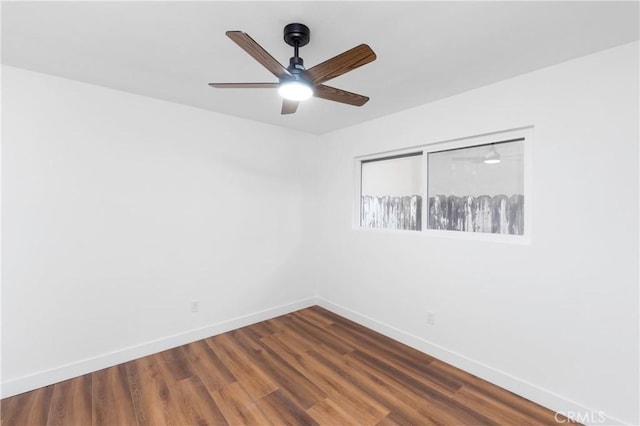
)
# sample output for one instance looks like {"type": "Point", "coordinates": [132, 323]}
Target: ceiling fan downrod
{"type": "Point", "coordinates": [296, 35]}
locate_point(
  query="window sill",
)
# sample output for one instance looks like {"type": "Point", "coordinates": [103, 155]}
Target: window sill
{"type": "Point", "coordinates": [454, 235]}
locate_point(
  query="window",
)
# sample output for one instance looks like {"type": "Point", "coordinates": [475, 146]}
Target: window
{"type": "Point", "coordinates": [477, 189]}
{"type": "Point", "coordinates": [473, 186]}
{"type": "Point", "coordinates": [390, 192]}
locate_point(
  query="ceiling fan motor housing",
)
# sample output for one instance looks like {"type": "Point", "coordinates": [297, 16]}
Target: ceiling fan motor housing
{"type": "Point", "coordinates": [297, 34]}
{"type": "Point", "coordinates": [296, 65]}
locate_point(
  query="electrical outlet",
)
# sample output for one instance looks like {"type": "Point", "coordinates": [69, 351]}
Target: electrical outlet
{"type": "Point", "coordinates": [194, 306]}
{"type": "Point", "coordinates": [431, 318]}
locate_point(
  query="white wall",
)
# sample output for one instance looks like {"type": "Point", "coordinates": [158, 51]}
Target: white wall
{"type": "Point", "coordinates": [556, 320]}
{"type": "Point", "coordinates": [119, 210]}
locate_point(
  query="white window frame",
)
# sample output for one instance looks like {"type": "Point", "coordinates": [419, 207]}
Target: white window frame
{"type": "Point", "coordinates": [525, 134]}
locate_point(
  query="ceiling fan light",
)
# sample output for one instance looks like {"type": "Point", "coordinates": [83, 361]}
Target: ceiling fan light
{"type": "Point", "coordinates": [295, 90]}
{"type": "Point", "coordinates": [492, 157]}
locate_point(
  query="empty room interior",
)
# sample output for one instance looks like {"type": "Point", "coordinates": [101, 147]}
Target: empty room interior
{"type": "Point", "coordinates": [320, 213]}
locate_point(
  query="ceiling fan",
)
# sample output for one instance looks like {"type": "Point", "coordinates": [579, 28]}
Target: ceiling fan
{"type": "Point", "coordinates": [295, 82]}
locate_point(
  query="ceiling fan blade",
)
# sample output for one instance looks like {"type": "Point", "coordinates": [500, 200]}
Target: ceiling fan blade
{"type": "Point", "coordinates": [289, 107]}
{"type": "Point", "coordinates": [250, 46]}
{"type": "Point", "coordinates": [245, 85]}
{"type": "Point", "coordinates": [340, 64]}
{"type": "Point", "coordinates": [339, 95]}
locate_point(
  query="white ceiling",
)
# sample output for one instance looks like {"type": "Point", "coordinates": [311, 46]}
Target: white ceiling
{"type": "Point", "coordinates": [426, 50]}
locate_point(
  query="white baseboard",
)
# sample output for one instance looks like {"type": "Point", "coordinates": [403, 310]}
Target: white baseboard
{"type": "Point", "coordinates": [518, 386]}
{"type": "Point", "coordinates": [78, 368]}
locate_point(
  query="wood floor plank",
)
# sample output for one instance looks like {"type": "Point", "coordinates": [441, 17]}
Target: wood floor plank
{"type": "Point", "coordinates": [493, 393]}
{"type": "Point", "coordinates": [112, 403]}
{"type": "Point", "coordinates": [407, 406]}
{"type": "Point", "coordinates": [339, 390]}
{"type": "Point", "coordinates": [30, 408]}
{"type": "Point", "coordinates": [302, 343]}
{"type": "Point", "coordinates": [411, 362]}
{"type": "Point", "coordinates": [273, 326]}
{"type": "Point", "coordinates": [213, 373]}
{"type": "Point", "coordinates": [175, 362]}
{"type": "Point", "coordinates": [438, 367]}
{"type": "Point", "coordinates": [442, 407]}
{"type": "Point", "coordinates": [419, 362]}
{"type": "Point", "coordinates": [315, 317]}
{"type": "Point", "coordinates": [197, 406]}
{"type": "Point", "coordinates": [6, 407]}
{"type": "Point", "coordinates": [71, 403]}
{"type": "Point", "coordinates": [281, 409]}
{"type": "Point", "coordinates": [374, 385]}
{"type": "Point", "coordinates": [391, 419]}
{"type": "Point", "coordinates": [285, 376]}
{"type": "Point", "coordinates": [255, 381]}
{"type": "Point", "coordinates": [506, 398]}
{"type": "Point", "coordinates": [502, 415]}
{"type": "Point", "coordinates": [238, 407]}
{"type": "Point", "coordinates": [305, 368]}
{"type": "Point", "coordinates": [327, 412]}
{"type": "Point", "coordinates": [367, 337]}
{"type": "Point", "coordinates": [262, 329]}
{"type": "Point", "coordinates": [297, 344]}
{"type": "Point", "coordinates": [154, 400]}
{"type": "Point", "coordinates": [320, 335]}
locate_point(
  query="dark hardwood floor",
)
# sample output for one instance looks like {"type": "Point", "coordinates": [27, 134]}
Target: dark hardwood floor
{"type": "Point", "coordinates": [309, 367]}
